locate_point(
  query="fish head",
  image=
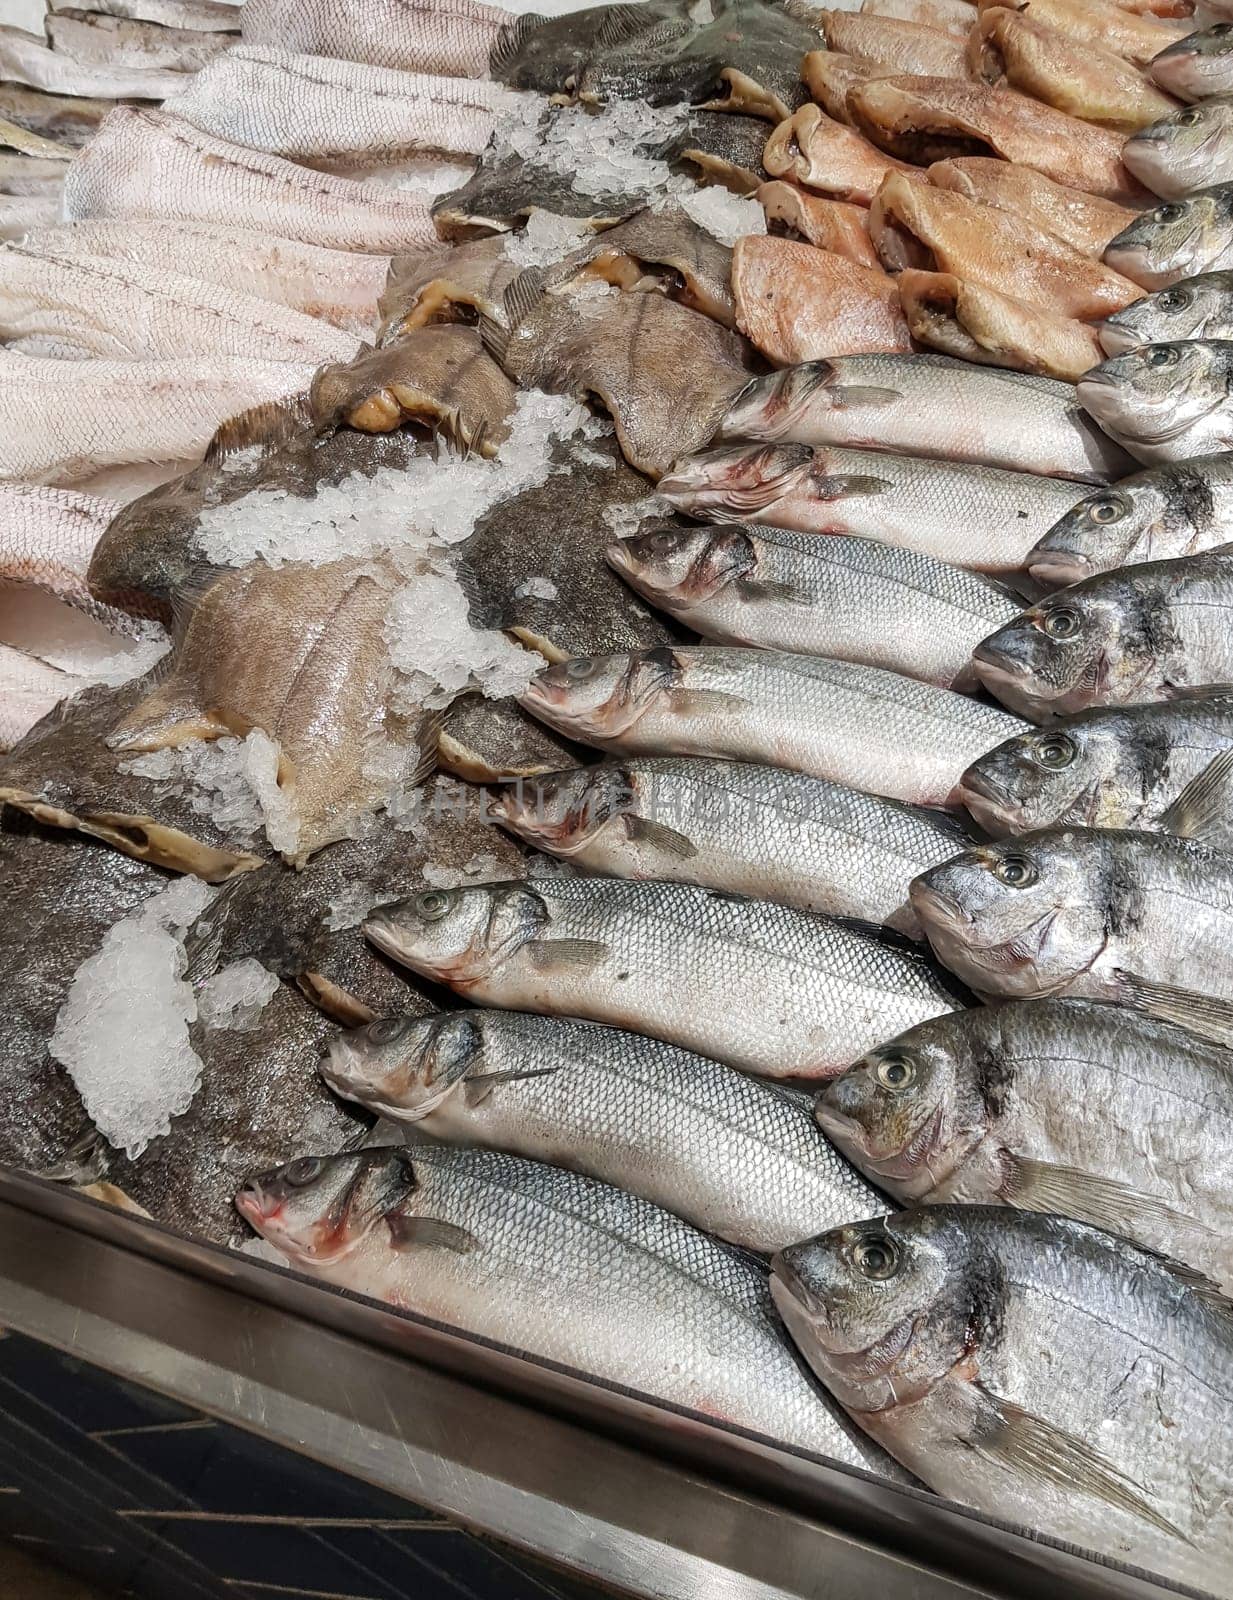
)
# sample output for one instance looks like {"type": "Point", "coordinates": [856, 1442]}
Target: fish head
{"type": "Point", "coordinates": [458, 936]}
{"type": "Point", "coordinates": [1062, 773]}
{"type": "Point", "coordinates": [683, 566]}
{"type": "Point", "coordinates": [1022, 917]}
{"type": "Point", "coordinates": [875, 1307]}
{"type": "Point", "coordinates": [1059, 655]}
{"type": "Point", "coordinates": [743, 479]}
{"type": "Point", "coordinates": [1177, 154]}
{"type": "Point", "coordinates": [403, 1067]}
{"type": "Point", "coordinates": [600, 698]}
{"type": "Point", "coordinates": [1188, 67]}
{"type": "Point", "coordinates": [1174, 240]}
{"type": "Point", "coordinates": [563, 811]}
{"type": "Point", "coordinates": [1181, 312]}
{"type": "Point", "coordinates": [770, 407]}
{"type": "Point", "coordinates": [316, 1210]}
{"type": "Point", "coordinates": [1155, 394]}
{"type": "Point", "coordinates": [1102, 532]}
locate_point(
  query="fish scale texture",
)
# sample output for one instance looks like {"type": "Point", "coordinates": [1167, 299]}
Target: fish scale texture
{"type": "Point", "coordinates": [448, 36]}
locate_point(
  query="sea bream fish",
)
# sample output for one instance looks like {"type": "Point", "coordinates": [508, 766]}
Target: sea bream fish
{"type": "Point", "coordinates": [1140, 633]}
{"type": "Point", "coordinates": [1177, 239]}
{"type": "Point", "coordinates": [27, 60]}
{"type": "Point", "coordinates": [1161, 514]}
{"type": "Point", "coordinates": [1164, 402]}
{"type": "Point", "coordinates": [1186, 150]}
{"type": "Point", "coordinates": [979, 517]}
{"type": "Point", "coordinates": [863, 726]}
{"type": "Point", "coordinates": [526, 1255]}
{"type": "Point", "coordinates": [453, 37]}
{"type": "Point", "coordinates": [739, 1157]}
{"type": "Point", "coordinates": [1199, 65]}
{"type": "Point", "coordinates": [927, 405]}
{"type": "Point", "coordinates": [1192, 308]}
{"type": "Point", "coordinates": [824, 597]}
{"type": "Point", "coordinates": [777, 992]}
{"type": "Point", "coordinates": [97, 39]}
{"type": "Point", "coordinates": [738, 827]}
{"type": "Point", "coordinates": [151, 166]}
{"type": "Point", "coordinates": [1083, 220]}
{"type": "Point", "coordinates": [1040, 1370]}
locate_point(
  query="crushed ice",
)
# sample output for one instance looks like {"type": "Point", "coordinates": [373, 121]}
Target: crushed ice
{"type": "Point", "coordinates": [545, 240]}
{"type": "Point", "coordinates": [483, 868]}
{"type": "Point", "coordinates": [232, 781]}
{"type": "Point", "coordinates": [726, 216]}
{"type": "Point", "coordinates": [610, 150]}
{"type": "Point", "coordinates": [236, 996]}
{"type": "Point", "coordinates": [351, 905]}
{"type": "Point", "coordinates": [434, 646]}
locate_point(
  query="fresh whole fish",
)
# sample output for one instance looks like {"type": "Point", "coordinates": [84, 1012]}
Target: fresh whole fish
{"type": "Point", "coordinates": [1177, 239]}
{"type": "Point", "coordinates": [822, 597]}
{"type": "Point", "coordinates": [1198, 66]}
{"type": "Point", "coordinates": [980, 325]}
{"type": "Point", "coordinates": [813, 149]}
{"type": "Point", "coordinates": [152, 166]}
{"type": "Point", "coordinates": [980, 517]}
{"type": "Point", "coordinates": [1193, 308]}
{"type": "Point", "coordinates": [777, 992]}
{"type": "Point", "coordinates": [455, 283]}
{"type": "Point", "coordinates": [892, 44]}
{"type": "Point", "coordinates": [872, 729]}
{"type": "Point", "coordinates": [453, 38]}
{"type": "Point", "coordinates": [1187, 150]}
{"type": "Point", "coordinates": [204, 16]}
{"type": "Point", "coordinates": [1164, 402]}
{"type": "Point", "coordinates": [928, 406]}
{"type": "Point", "coordinates": [1107, 26]}
{"type": "Point", "coordinates": [527, 1256]}
{"type": "Point", "coordinates": [1038, 1369]}
{"type": "Point", "coordinates": [1041, 1105]}
{"type": "Point", "coordinates": [741, 828]}
{"type": "Point", "coordinates": [94, 39]}
{"type": "Point", "coordinates": [1157, 768]}
{"type": "Point", "coordinates": [496, 741]}
{"type": "Point", "coordinates": [1125, 637]}
{"type": "Point", "coordinates": [26, 59]}
{"type": "Point", "coordinates": [1082, 220]}
{"type": "Point", "coordinates": [796, 303]}
{"type": "Point", "coordinates": [833, 225]}
{"type": "Point", "coordinates": [739, 1157]}
{"type": "Point", "coordinates": [1162, 514]}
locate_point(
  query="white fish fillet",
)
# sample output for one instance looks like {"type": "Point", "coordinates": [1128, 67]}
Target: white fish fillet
{"type": "Point", "coordinates": [95, 306]}
{"type": "Point", "coordinates": [20, 213]}
{"type": "Point", "coordinates": [29, 689]}
{"type": "Point", "coordinates": [117, 42]}
{"type": "Point", "coordinates": [448, 36]}
{"type": "Point", "coordinates": [202, 16]}
{"type": "Point", "coordinates": [335, 285]}
{"type": "Point", "coordinates": [61, 421]}
{"type": "Point", "coordinates": [24, 58]}
{"type": "Point", "coordinates": [149, 165]}
{"type": "Point", "coordinates": [318, 109]}
{"type": "Point", "coordinates": [31, 176]}
{"type": "Point", "coordinates": [47, 537]}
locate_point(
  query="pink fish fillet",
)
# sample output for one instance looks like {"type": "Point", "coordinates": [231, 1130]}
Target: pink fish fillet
{"type": "Point", "coordinates": [447, 36]}
{"type": "Point", "coordinates": [798, 303]}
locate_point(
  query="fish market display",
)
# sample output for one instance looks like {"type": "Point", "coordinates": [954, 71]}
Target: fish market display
{"type": "Point", "coordinates": [1186, 150]}
{"type": "Point", "coordinates": [1177, 240]}
{"type": "Point", "coordinates": [26, 59]}
{"type": "Point", "coordinates": [1192, 308]}
{"type": "Point", "coordinates": [1199, 65]}
{"type": "Point", "coordinates": [89, 37]}
{"type": "Point", "coordinates": [452, 38]}
{"type": "Point", "coordinates": [814, 150]}
{"type": "Point", "coordinates": [1164, 402]}
{"type": "Point", "coordinates": [1081, 219]}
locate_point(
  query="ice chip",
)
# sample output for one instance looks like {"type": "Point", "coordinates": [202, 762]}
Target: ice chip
{"type": "Point", "coordinates": [726, 216]}
{"type": "Point", "coordinates": [536, 588]}
{"type": "Point", "coordinates": [236, 995]}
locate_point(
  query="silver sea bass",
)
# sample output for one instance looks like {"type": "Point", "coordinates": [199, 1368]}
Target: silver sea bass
{"type": "Point", "coordinates": [774, 991]}
{"type": "Point", "coordinates": [555, 1265]}
{"type": "Point", "coordinates": [1165, 402]}
{"type": "Point", "coordinates": [733, 1155]}
{"type": "Point", "coordinates": [1037, 1369]}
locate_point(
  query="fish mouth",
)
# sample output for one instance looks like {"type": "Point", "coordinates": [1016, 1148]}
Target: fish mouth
{"type": "Point", "coordinates": [1116, 340]}
{"type": "Point", "coordinates": [987, 800]}
{"type": "Point", "coordinates": [785, 1277]}
{"type": "Point", "coordinates": [1059, 568]}
{"type": "Point", "coordinates": [992, 670]}
{"type": "Point", "coordinates": [383, 931]}
{"type": "Point", "coordinates": [934, 906]}
{"type": "Point", "coordinates": [254, 1206]}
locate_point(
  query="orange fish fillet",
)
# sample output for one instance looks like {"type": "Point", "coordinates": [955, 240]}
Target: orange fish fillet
{"type": "Point", "coordinates": [829, 76]}
{"type": "Point", "coordinates": [889, 42]}
{"type": "Point", "coordinates": [1106, 25]}
{"type": "Point", "coordinates": [1083, 220]}
{"type": "Point", "coordinates": [815, 150]}
{"type": "Point", "coordinates": [798, 303]}
{"type": "Point", "coordinates": [952, 16]}
{"type": "Point", "coordinates": [976, 323]}
{"type": "Point", "coordinates": [832, 225]}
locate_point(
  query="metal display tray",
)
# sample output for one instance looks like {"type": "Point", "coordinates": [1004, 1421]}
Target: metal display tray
{"type": "Point", "coordinates": [621, 1491]}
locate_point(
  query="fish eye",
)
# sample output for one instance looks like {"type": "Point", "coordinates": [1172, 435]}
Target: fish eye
{"type": "Point", "coordinates": [895, 1071]}
{"type": "Point", "coordinates": [877, 1257]}
{"type": "Point", "coordinates": [1168, 213]}
{"type": "Point", "coordinates": [1174, 299]}
{"type": "Point", "coordinates": [1221, 30]}
{"type": "Point", "coordinates": [1015, 871]}
{"type": "Point", "coordinates": [579, 669]}
{"type": "Point", "coordinates": [1106, 509]}
{"type": "Point", "coordinates": [1054, 750]}
{"type": "Point", "coordinates": [1162, 355]}
{"type": "Point", "coordinates": [304, 1171]}
{"type": "Point", "coordinates": [1189, 117]}
{"type": "Point", "coordinates": [386, 1029]}
{"type": "Point", "coordinates": [433, 904]}
{"type": "Point", "coordinates": [1061, 623]}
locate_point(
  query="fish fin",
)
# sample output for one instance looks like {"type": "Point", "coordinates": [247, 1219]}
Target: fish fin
{"type": "Point", "coordinates": [847, 485]}
{"type": "Point", "coordinates": [1205, 803]}
{"type": "Point", "coordinates": [1039, 1449]}
{"type": "Point", "coordinates": [1104, 1202]}
{"type": "Point", "coordinates": [494, 337]}
{"type": "Point", "coordinates": [1202, 691]}
{"type": "Point", "coordinates": [1201, 1013]}
{"type": "Point", "coordinates": [619, 24]}
{"type": "Point", "coordinates": [770, 589]}
{"type": "Point", "coordinates": [407, 1233]}
{"type": "Point", "coordinates": [685, 701]}
{"type": "Point", "coordinates": [848, 396]}
{"type": "Point", "coordinates": [510, 40]}
{"type": "Point", "coordinates": [476, 1089]}
{"type": "Point", "coordinates": [524, 294]}
{"type": "Point", "coordinates": [428, 739]}
{"type": "Point", "coordinates": [660, 837]}
{"type": "Point", "coordinates": [272, 423]}
{"type": "Point", "coordinates": [576, 954]}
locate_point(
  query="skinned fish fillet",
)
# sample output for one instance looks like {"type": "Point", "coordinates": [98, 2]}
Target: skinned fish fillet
{"type": "Point", "coordinates": [20, 213]}
{"type": "Point", "coordinates": [829, 76]}
{"type": "Point", "coordinates": [832, 225]}
{"type": "Point", "coordinates": [336, 286]}
{"type": "Point", "coordinates": [447, 36]}
{"type": "Point", "coordinates": [1082, 220]}
{"type": "Point", "coordinates": [893, 44]}
{"type": "Point", "coordinates": [203, 16]}
{"type": "Point", "coordinates": [977, 323]}
{"type": "Point", "coordinates": [312, 108]}
{"type": "Point", "coordinates": [32, 146]}
{"type": "Point", "coordinates": [798, 303]}
{"type": "Point", "coordinates": [29, 689]}
{"type": "Point", "coordinates": [1106, 25]}
{"type": "Point", "coordinates": [951, 16]}
{"type": "Point", "coordinates": [122, 311]}
{"type": "Point", "coordinates": [916, 225]}
{"type": "Point", "coordinates": [814, 150]}
{"type": "Point", "coordinates": [931, 119]}
{"type": "Point", "coordinates": [63, 421]}
{"type": "Point", "coordinates": [31, 176]}
{"type": "Point", "coordinates": [47, 537]}
{"type": "Point", "coordinates": [120, 42]}
{"type": "Point", "coordinates": [25, 59]}
{"type": "Point", "coordinates": [151, 166]}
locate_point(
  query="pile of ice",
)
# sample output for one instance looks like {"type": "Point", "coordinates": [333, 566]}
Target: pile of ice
{"type": "Point", "coordinates": [726, 216]}
{"type": "Point", "coordinates": [537, 588]}
{"type": "Point", "coordinates": [545, 240]}
{"type": "Point", "coordinates": [232, 781]}
{"type": "Point", "coordinates": [351, 905]}
{"type": "Point", "coordinates": [441, 655]}
{"type": "Point", "coordinates": [236, 996]}
{"type": "Point", "coordinates": [606, 151]}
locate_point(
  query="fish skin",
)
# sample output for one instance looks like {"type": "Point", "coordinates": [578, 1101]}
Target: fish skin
{"type": "Point", "coordinates": [1198, 66]}
{"type": "Point", "coordinates": [893, 403]}
{"type": "Point", "coordinates": [1178, 239]}
{"type": "Point", "coordinates": [1188, 150]}
{"type": "Point", "coordinates": [746, 829]}
{"type": "Point", "coordinates": [335, 286]}
{"type": "Point", "coordinates": [726, 148]}
{"type": "Point", "coordinates": [47, 537]}
{"type": "Point", "coordinates": [32, 147]}
{"type": "Point", "coordinates": [98, 307]}
{"type": "Point", "coordinates": [25, 59]}
{"type": "Point", "coordinates": [152, 166]}
{"type": "Point", "coordinates": [826, 597]}
{"type": "Point", "coordinates": [554, 1253]}
{"type": "Point", "coordinates": [951, 16]}
{"type": "Point", "coordinates": [797, 303]}
{"type": "Point", "coordinates": [862, 726]}
{"type": "Point", "coordinates": [314, 109]}
{"type": "Point", "coordinates": [916, 225]}
{"type": "Point", "coordinates": [832, 225]}
{"type": "Point", "coordinates": [453, 38]}
{"type": "Point", "coordinates": [774, 991]}
{"type": "Point", "coordinates": [819, 153]}
{"type": "Point", "coordinates": [70, 120]}
{"type": "Point", "coordinates": [1077, 1083]}
{"type": "Point", "coordinates": [29, 689]}
{"type": "Point", "coordinates": [1181, 509]}
{"type": "Point", "coordinates": [1107, 26]}
{"type": "Point", "coordinates": [1083, 220]}
{"type": "Point", "coordinates": [1164, 402]}
{"type": "Point", "coordinates": [94, 40]}
{"type": "Point", "coordinates": [726, 1152]}
{"type": "Point", "coordinates": [31, 176]}
{"type": "Point", "coordinates": [1116, 767]}
{"type": "Point", "coordinates": [978, 517]}
{"type": "Point", "coordinates": [892, 44]}
{"type": "Point", "coordinates": [491, 741]}
{"type": "Point", "coordinates": [20, 213]}
{"type": "Point", "coordinates": [829, 75]}
{"type": "Point", "coordinates": [930, 119]}
{"type": "Point", "coordinates": [452, 283]}
{"type": "Point", "coordinates": [1117, 1443]}
{"type": "Point", "coordinates": [204, 16]}
{"type": "Point", "coordinates": [1193, 308]}
{"type": "Point", "coordinates": [1142, 633]}
{"type": "Point", "coordinates": [63, 420]}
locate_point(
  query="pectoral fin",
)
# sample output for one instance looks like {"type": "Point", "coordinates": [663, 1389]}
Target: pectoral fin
{"type": "Point", "coordinates": [770, 589]}
{"type": "Point", "coordinates": [1201, 1013]}
{"type": "Point", "coordinates": [1206, 803]}
{"type": "Point", "coordinates": [1104, 1202]}
{"type": "Point", "coordinates": [409, 1233]}
{"type": "Point", "coordinates": [479, 1086]}
{"type": "Point", "coordinates": [566, 955]}
{"type": "Point", "coordinates": [847, 485]}
{"type": "Point", "coordinates": [848, 396]}
{"type": "Point", "coordinates": [660, 837]}
{"type": "Point", "coordinates": [686, 701]}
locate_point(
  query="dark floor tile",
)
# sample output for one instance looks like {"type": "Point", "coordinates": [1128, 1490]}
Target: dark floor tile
{"type": "Point", "coordinates": [84, 1395]}
{"type": "Point", "coordinates": [272, 1553]}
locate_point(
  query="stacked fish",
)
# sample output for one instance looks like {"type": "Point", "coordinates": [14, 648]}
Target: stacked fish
{"type": "Point", "coordinates": [709, 767]}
